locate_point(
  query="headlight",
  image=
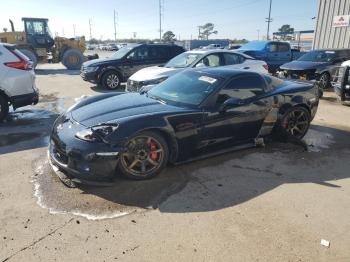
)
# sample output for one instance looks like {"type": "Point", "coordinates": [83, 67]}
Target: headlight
{"type": "Point", "coordinates": [90, 69]}
{"type": "Point", "coordinates": [96, 133]}
{"type": "Point", "coordinates": [155, 81]}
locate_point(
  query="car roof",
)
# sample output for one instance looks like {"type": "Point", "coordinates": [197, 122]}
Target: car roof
{"type": "Point", "coordinates": [223, 72]}
{"type": "Point", "coordinates": [211, 51]}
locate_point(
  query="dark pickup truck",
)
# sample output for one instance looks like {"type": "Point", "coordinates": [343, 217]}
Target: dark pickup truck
{"type": "Point", "coordinates": [274, 53]}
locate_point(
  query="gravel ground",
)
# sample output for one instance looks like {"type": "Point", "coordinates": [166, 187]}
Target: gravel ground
{"type": "Point", "coordinates": [267, 204]}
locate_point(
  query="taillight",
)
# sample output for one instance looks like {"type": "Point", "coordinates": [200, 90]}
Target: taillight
{"type": "Point", "coordinates": [23, 64]}
{"type": "Point", "coordinates": [266, 67]}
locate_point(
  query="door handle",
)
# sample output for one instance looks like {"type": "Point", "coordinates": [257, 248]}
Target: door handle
{"type": "Point", "coordinates": [247, 67]}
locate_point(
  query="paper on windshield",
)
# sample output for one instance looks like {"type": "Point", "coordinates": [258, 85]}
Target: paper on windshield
{"type": "Point", "coordinates": [207, 79]}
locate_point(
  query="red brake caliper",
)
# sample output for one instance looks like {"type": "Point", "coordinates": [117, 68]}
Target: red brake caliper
{"type": "Point", "coordinates": [154, 155]}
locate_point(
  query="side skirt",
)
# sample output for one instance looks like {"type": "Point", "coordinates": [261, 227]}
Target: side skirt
{"type": "Point", "coordinates": [220, 152]}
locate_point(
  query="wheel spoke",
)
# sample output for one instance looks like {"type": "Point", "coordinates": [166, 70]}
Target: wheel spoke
{"type": "Point", "coordinates": [297, 129]}
{"type": "Point", "coordinates": [143, 166]}
{"type": "Point", "coordinates": [157, 151]}
{"type": "Point", "coordinates": [152, 162]}
{"type": "Point", "coordinates": [134, 163]}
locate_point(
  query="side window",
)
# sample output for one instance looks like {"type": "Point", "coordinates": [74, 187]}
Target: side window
{"type": "Point", "coordinates": [162, 52]}
{"type": "Point", "coordinates": [273, 47]}
{"type": "Point", "coordinates": [283, 47]}
{"type": "Point", "coordinates": [210, 60]}
{"type": "Point", "coordinates": [242, 87]}
{"type": "Point", "coordinates": [139, 54]}
{"type": "Point", "coordinates": [232, 59]}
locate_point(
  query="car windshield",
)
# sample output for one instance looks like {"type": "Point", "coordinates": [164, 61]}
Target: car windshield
{"type": "Point", "coordinates": [185, 89]}
{"type": "Point", "coordinates": [253, 45]}
{"type": "Point", "coordinates": [183, 60]}
{"type": "Point", "coordinates": [318, 56]}
{"type": "Point", "coordinates": [122, 52]}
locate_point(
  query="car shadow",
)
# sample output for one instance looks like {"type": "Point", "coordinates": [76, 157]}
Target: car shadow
{"type": "Point", "coordinates": [234, 178]}
{"type": "Point", "coordinates": [102, 90]}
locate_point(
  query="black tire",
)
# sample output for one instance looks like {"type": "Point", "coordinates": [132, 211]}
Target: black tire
{"type": "Point", "coordinates": [295, 122]}
{"type": "Point", "coordinates": [111, 80]}
{"type": "Point", "coordinates": [4, 107]}
{"type": "Point", "coordinates": [325, 81]}
{"type": "Point", "coordinates": [31, 55]}
{"type": "Point", "coordinates": [146, 155]}
{"type": "Point", "coordinates": [72, 59]}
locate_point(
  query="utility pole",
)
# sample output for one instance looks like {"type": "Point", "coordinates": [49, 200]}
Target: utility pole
{"type": "Point", "coordinates": [134, 33]}
{"type": "Point", "coordinates": [115, 28]}
{"type": "Point", "coordinates": [160, 20]}
{"type": "Point", "coordinates": [258, 34]}
{"type": "Point", "coordinates": [74, 30]}
{"type": "Point", "coordinates": [90, 28]}
{"type": "Point", "coordinates": [199, 32]}
{"type": "Point", "coordinates": [269, 20]}
{"type": "Point", "coordinates": [63, 31]}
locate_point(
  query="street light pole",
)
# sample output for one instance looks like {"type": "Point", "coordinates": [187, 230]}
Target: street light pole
{"type": "Point", "coordinates": [115, 28]}
{"type": "Point", "coordinates": [269, 20]}
{"type": "Point", "coordinates": [160, 20]}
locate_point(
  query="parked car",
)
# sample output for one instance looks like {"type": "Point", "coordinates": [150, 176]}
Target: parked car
{"type": "Point", "coordinates": [110, 72]}
{"type": "Point", "coordinates": [148, 77]}
{"type": "Point", "coordinates": [194, 114]}
{"type": "Point", "coordinates": [17, 80]}
{"type": "Point", "coordinates": [342, 83]}
{"type": "Point", "coordinates": [213, 46]}
{"type": "Point", "coordinates": [317, 65]}
{"type": "Point", "coordinates": [112, 47]}
{"type": "Point", "coordinates": [274, 53]}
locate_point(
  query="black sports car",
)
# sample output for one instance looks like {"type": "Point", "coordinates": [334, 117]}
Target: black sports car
{"type": "Point", "coordinates": [193, 114]}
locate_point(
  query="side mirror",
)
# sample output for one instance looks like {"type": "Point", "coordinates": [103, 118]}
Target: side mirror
{"type": "Point", "coordinates": [231, 103]}
{"type": "Point", "coordinates": [200, 65]}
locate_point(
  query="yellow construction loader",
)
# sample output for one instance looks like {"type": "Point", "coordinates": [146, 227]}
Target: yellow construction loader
{"type": "Point", "coordinates": [37, 43]}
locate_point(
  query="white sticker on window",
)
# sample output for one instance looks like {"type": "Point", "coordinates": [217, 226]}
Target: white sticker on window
{"type": "Point", "coordinates": [208, 79]}
{"type": "Point", "coordinates": [330, 52]}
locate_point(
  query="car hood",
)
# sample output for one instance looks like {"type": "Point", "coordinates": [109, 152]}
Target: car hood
{"type": "Point", "coordinates": [303, 65]}
{"type": "Point", "coordinates": [154, 72]}
{"type": "Point", "coordinates": [100, 61]}
{"type": "Point", "coordinates": [112, 109]}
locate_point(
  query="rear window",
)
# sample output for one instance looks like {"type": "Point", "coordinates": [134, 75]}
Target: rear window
{"type": "Point", "coordinates": [16, 52]}
{"type": "Point", "coordinates": [176, 50]}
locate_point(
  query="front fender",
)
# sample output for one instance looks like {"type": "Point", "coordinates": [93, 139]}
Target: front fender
{"type": "Point", "coordinates": [92, 99]}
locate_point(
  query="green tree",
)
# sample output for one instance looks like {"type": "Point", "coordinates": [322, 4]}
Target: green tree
{"type": "Point", "coordinates": [169, 36]}
{"type": "Point", "coordinates": [206, 30]}
{"type": "Point", "coordinates": [286, 29]}
{"type": "Point", "coordinates": [93, 41]}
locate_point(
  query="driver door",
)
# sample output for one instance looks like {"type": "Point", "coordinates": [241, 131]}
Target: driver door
{"type": "Point", "coordinates": [240, 123]}
{"type": "Point", "coordinates": [136, 60]}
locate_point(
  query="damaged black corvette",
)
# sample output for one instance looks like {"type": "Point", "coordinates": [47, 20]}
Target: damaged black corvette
{"type": "Point", "coordinates": [194, 114]}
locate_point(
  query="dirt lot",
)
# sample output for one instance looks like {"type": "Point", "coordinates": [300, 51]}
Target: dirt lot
{"type": "Point", "coordinates": [267, 204]}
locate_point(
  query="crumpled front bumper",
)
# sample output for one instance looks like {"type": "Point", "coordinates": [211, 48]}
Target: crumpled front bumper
{"type": "Point", "coordinates": [81, 160]}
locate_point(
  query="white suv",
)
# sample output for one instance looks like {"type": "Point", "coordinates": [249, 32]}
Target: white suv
{"type": "Point", "coordinates": [17, 80]}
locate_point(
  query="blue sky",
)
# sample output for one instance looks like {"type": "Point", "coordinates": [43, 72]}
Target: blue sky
{"type": "Point", "coordinates": [232, 18]}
